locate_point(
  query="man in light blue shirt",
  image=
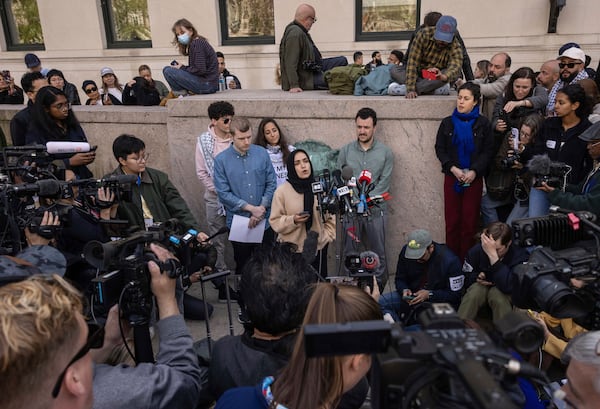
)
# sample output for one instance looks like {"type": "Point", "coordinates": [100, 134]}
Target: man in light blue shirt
{"type": "Point", "coordinates": [245, 182]}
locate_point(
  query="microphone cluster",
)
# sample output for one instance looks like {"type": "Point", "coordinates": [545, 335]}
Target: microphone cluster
{"type": "Point", "coordinates": [335, 192]}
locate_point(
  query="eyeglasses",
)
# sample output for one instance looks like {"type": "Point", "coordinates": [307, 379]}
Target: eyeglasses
{"type": "Point", "coordinates": [95, 340]}
{"type": "Point", "coordinates": [142, 158]}
{"type": "Point", "coordinates": [314, 19]}
{"type": "Point", "coordinates": [62, 106]}
{"type": "Point", "coordinates": [562, 65]}
{"type": "Point", "coordinates": [593, 144]}
{"type": "Point", "coordinates": [90, 90]}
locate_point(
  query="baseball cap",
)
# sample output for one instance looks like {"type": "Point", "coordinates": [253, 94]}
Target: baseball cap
{"type": "Point", "coordinates": [418, 241]}
{"type": "Point", "coordinates": [445, 29]}
{"type": "Point", "coordinates": [33, 260]}
{"type": "Point", "coordinates": [32, 60]}
{"type": "Point", "coordinates": [574, 53]}
{"type": "Point", "coordinates": [106, 70]}
{"type": "Point", "coordinates": [592, 133]}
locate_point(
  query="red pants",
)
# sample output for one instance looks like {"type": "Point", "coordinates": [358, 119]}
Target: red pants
{"type": "Point", "coordinates": [461, 211]}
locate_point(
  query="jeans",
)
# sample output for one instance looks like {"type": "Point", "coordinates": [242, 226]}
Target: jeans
{"type": "Point", "coordinates": [326, 65]}
{"type": "Point", "coordinates": [539, 205]}
{"type": "Point", "coordinates": [393, 304]}
{"type": "Point", "coordinates": [488, 208]}
{"type": "Point", "coordinates": [181, 81]}
{"type": "Point", "coordinates": [519, 211]}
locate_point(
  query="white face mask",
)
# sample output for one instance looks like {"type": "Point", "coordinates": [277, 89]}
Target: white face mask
{"type": "Point", "coordinates": [183, 38]}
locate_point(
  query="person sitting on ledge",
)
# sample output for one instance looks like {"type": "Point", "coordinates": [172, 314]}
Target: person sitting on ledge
{"type": "Point", "coordinates": [302, 66]}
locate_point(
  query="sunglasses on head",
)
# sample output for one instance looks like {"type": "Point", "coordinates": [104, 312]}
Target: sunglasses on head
{"type": "Point", "coordinates": [90, 90]}
{"type": "Point", "coordinates": [568, 65]}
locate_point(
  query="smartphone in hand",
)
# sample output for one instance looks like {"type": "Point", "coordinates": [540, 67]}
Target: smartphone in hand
{"type": "Point", "coordinates": [174, 62]}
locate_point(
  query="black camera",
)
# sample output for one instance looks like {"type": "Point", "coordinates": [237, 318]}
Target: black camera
{"type": "Point", "coordinates": [119, 185]}
{"type": "Point", "coordinates": [311, 66]}
{"type": "Point", "coordinates": [443, 361]}
{"type": "Point", "coordinates": [6, 75]}
{"type": "Point", "coordinates": [556, 176]}
{"type": "Point", "coordinates": [510, 161]}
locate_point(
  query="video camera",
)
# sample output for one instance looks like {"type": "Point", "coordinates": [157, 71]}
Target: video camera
{"type": "Point", "coordinates": [120, 185]}
{"type": "Point", "coordinates": [444, 364]}
{"type": "Point", "coordinates": [126, 279]}
{"type": "Point", "coordinates": [555, 174]}
{"type": "Point", "coordinates": [544, 282]}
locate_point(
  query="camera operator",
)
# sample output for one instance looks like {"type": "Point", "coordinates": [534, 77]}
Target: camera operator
{"type": "Point", "coordinates": [174, 380]}
{"type": "Point", "coordinates": [84, 225]}
{"type": "Point", "coordinates": [582, 390]}
{"type": "Point", "coordinates": [584, 196]}
{"type": "Point", "coordinates": [488, 272]}
{"type": "Point", "coordinates": [154, 197]}
{"type": "Point", "coordinates": [427, 272]}
{"type": "Point", "coordinates": [41, 327]}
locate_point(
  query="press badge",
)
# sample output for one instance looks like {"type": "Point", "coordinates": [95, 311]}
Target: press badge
{"type": "Point", "coordinates": [550, 144]}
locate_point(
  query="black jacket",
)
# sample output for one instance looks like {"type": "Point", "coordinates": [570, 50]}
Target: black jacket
{"type": "Point", "coordinates": [565, 146]}
{"type": "Point", "coordinates": [484, 146]}
{"type": "Point", "coordinates": [441, 275]}
{"type": "Point", "coordinates": [500, 273]}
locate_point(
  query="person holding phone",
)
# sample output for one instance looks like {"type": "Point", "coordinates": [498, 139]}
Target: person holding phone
{"type": "Point", "coordinates": [295, 212]}
{"type": "Point", "coordinates": [426, 272]}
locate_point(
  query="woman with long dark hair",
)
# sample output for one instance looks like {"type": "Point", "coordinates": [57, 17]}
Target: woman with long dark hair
{"type": "Point", "coordinates": [464, 147]}
{"type": "Point", "coordinates": [559, 139]}
{"type": "Point", "coordinates": [316, 383]}
{"type": "Point", "coordinates": [53, 120]}
{"type": "Point", "coordinates": [521, 98]}
{"type": "Point", "coordinates": [270, 137]}
{"type": "Point", "coordinates": [201, 75]}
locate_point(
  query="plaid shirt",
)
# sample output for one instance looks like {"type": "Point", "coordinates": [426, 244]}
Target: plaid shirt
{"type": "Point", "coordinates": [424, 53]}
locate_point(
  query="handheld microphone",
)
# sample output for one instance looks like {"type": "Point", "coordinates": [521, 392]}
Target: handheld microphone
{"type": "Point", "coordinates": [326, 180]}
{"type": "Point", "coordinates": [67, 147]}
{"type": "Point", "coordinates": [222, 230]}
{"type": "Point", "coordinates": [341, 190]}
{"type": "Point", "coordinates": [347, 172]}
{"type": "Point", "coordinates": [364, 180]}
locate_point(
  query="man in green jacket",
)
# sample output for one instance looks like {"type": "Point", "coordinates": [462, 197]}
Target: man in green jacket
{"type": "Point", "coordinates": [584, 196]}
{"type": "Point", "coordinates": [300, 61]}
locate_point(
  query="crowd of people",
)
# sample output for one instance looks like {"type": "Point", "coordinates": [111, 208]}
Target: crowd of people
{"type": "Point", "coordinates": [261, 188]}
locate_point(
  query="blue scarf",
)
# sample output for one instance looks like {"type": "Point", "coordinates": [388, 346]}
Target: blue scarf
{"type": "Point", "coordinates": [463, 138]}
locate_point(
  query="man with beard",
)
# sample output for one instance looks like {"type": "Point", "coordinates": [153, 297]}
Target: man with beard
{"type": "Point", "coordinates": [572, 70]}
{"type": "Point", "coordinates": [494, 84]}
{"type": "Point", "coordinates": [368, 154]}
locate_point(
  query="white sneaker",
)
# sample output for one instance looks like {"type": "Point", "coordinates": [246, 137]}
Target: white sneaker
{"type": "Point", "coordinates": [396, 89]}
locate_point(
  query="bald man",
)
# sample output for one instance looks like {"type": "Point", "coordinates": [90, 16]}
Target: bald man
{"type": "Point", "coordinates": [549, 74]}
{"type": "Point", "coordinates": [301, 63]}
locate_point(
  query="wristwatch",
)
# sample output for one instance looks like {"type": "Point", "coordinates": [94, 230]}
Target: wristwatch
{"type": "Point", "coordinates": [430, 295]}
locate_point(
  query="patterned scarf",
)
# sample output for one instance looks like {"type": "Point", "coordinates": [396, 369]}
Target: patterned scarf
{"type": "Point", "coordinates": [560, 84]}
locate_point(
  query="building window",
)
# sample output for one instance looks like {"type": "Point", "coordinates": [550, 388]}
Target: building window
{"type": "Point", "coordinates": [386, 19]}
{"type": "Point", "coordinates": [126, 23]}
{"type": "Point", "coordinates": [21, 23]}
{"type": "Point", "coordinates": [247, 22]}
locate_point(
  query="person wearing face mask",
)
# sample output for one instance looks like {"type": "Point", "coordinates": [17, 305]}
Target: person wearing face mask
{"type": "Point", "coordinates": [294, 211]}
{"type": "Point", "coordinates": [201, 74]}
{"type": "Point", "coordinates": [270, 137]}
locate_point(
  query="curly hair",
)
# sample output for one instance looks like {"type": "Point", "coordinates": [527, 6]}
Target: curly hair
{"type": "Point", "coordinates": [39, 329]}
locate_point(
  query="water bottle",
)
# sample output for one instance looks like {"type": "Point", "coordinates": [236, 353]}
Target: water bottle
{"type": "Point", "coordinates": [221, 82]}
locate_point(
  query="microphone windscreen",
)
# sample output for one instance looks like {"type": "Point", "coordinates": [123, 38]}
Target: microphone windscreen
{"type": "Point", "coordinates": [347, 172]}
{"type": "Point", "coordinates": [48, 187]}
{"type": "Point", "coordinates": [539, 165]}
{"type": "Point", "coordinates": [369, 260]}
{"type": "Point", "coordinates": [67, 147]}
{"type": "Point", "coordinates": [309, 251]}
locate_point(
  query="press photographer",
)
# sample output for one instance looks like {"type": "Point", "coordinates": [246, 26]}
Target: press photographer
{"type": "Point", "coordinates": [558, 138]}
{"type": "Point", "coordinates": [586, 194]}
{"type": "Point", "coordinates": [173, 380]}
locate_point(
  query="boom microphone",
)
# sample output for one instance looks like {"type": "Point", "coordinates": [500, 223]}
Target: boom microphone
{"type": "Point", "coordinates": [67, 147]}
